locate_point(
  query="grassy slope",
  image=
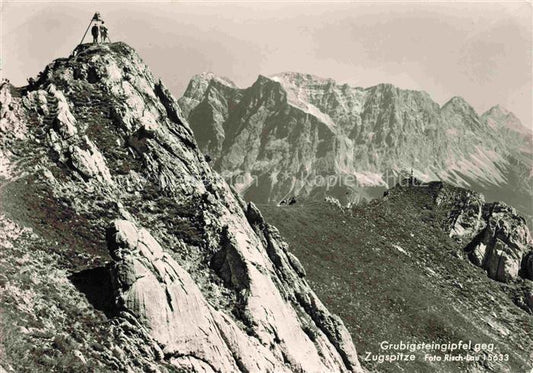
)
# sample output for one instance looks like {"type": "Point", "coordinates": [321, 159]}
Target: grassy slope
{"type": "Point", "coordinates": [432, 293]}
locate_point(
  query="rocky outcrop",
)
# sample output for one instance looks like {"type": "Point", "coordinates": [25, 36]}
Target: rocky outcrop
{"type": "Point", "coordinates": [464, 210]}
{"type": "Point", "coordinates": [89, 162]}
{"type": "Point", "coordinates": [204, 281]}
{"type": "Point", "coordinates": [10, 111]}
{"type": "Point", "coordinates": [504, 243]}
{"type": "Point", "coordinates": [496, 238]}
{"type": "Point", "coordinates": [493, 235]}
{"type": "Point", "coordinates": [11, 127]}
{"type": "Point", "coordinates": [287, 133]}
{"type": "Point", "coordinates": [156, 290]}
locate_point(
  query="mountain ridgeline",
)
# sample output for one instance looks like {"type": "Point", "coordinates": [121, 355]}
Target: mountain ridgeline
{"type": "Point", "coordinates": [426, 262]}
{"type": "Point", "coordinates": [121, 250]}
{"type": "Point", "coordinates": [299, 135]}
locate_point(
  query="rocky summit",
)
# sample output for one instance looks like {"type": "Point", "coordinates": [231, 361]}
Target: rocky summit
{"type": "Point", "coordinates": [121, 249]}
{"type": "Point", "coordinates": [286, 133]}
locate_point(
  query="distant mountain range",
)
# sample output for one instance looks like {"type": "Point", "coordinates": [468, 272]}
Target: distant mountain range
{"type": "Point", "coordinates": [296, 134]}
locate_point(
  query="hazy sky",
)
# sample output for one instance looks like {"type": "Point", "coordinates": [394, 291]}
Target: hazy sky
{"type": "Point", "coordinates": [480, 51]}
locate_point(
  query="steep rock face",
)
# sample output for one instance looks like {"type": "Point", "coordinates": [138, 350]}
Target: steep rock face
{"type": "Point", "coordinates": [158, 291]}
{"type": "Point", "coordinates": [207, 283]}
{"type": "Point", "coordinates": [223, 96]}
{"type": "Point", "coordinates": [298, 127]}
{"type": "Point", "coordinates": [503, 245]}
{"type": "Point", "coordinates": [495, 237]}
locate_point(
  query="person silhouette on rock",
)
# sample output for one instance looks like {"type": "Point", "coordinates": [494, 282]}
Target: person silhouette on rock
{"type": "Point", "coordinates": [95, 30]}
{"type": "Point", "coordinates": [103, 33]}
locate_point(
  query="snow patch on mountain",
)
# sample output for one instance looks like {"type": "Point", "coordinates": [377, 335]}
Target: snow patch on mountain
{"type": "Point", "coordinates": [298, 97]}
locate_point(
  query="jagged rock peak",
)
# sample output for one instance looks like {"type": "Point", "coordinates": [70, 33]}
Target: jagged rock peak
{"type": "Point", "coordinates": [300, 79]}
{"type": "Point", "coordinates": [105, 149]}
{"type": "Point", "coordinates": [92, 55]}
{"type": "Point", "coordinates": [200, 82]}
{"type": "Point", "coordinates": [199, 85]}
{"type": "Point", "coordinates": [458, 103]}
{"type": "Point", "coordinates": [498, 110]}
{"type": "Point", "coordinates": [208, 76]}
{"type": "Point", "coordinates": [499, 117]}
{"type": "Point", "coordinates": [397, 91]}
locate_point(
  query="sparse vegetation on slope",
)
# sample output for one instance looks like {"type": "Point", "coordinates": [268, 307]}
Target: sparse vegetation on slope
{"type": "Point", "coordinates": [393, 274]}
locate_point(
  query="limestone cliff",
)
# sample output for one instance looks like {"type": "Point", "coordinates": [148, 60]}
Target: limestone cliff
{"type": "Point", "coordinates": [494, 235]}
{"type": "Point", "coordinates": [284, 134]}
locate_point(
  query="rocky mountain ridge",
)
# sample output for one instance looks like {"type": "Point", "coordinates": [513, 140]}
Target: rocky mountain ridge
{"type": "Point", "coordinates": [141, 258]}
{"type": "Point", "coordinates": [427, 261]}
{"type": "Point", "coordinates": [495, 237]}
{"type": "Point", "coordinates": [277, 137]}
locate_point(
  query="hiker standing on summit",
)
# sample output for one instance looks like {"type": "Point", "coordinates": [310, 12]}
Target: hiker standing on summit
{"type": "Point", "coordinates": [98, 31]}
{"type": "Point", "coordinates": [95, 30]}
{"type": "Point", "coordinates": [103, 33]}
